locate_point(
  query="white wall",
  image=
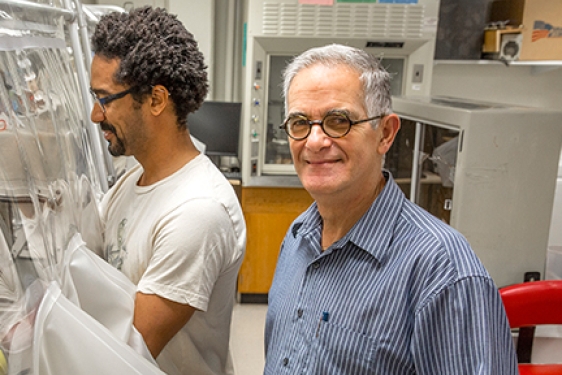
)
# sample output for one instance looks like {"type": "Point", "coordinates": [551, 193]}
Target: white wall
{"type": "Point", "coordinates": [198, 16]}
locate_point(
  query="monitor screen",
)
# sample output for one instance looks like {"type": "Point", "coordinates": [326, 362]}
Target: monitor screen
{"type": "Point", "coordinates": [217, 125]}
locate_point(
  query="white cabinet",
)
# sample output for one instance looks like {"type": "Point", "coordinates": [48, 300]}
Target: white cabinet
{"type": "Point", "coordinates": [554, 252]}
{"type": "Point", "coordinates": [499, 189]}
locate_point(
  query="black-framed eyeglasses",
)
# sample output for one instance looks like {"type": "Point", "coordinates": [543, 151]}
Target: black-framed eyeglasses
{"type": "Point", "coordinates": [109, 98]}
{"type": "Point", "coordinates": [334, 125]}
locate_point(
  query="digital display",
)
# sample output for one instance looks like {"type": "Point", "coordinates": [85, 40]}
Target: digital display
{"type": "Point", "coordinates": [217, 125]}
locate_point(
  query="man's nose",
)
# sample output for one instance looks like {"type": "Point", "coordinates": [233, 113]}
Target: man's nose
{"type": "Point", "coordinates": [97, 114]}
{"type": "Point", "coordinates": [317, 139]}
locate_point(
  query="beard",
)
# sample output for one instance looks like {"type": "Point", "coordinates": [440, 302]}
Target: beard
{"type": "Point", "coordinates": [118, 147]}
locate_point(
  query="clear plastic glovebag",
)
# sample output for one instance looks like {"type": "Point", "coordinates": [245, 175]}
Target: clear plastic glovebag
{"type": "Point", "coordinates": [60, 304]}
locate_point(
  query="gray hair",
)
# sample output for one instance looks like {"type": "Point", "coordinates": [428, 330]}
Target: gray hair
{"type": "Point", "coordinates": [375, 79]}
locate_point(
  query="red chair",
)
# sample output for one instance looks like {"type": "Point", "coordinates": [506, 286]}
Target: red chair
{"type": "Point", "coordinates": [530, 304]}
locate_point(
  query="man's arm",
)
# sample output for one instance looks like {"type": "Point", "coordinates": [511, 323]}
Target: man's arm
{"type": "Point", "coordinates": [463, 329]}
{"type": "Point", "coordinates": [158, 320]}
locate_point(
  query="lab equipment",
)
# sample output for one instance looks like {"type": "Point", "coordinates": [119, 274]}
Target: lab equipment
{"type": "Point", "coordinates": [401, 34]}
{"type": "Point", "coordinates": [495, 199]}
{"type": "Point", "coordinates": [52, 175]}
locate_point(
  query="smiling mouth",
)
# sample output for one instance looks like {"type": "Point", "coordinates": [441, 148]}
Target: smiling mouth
{"type": "Point", "coordinates": [107, 130]}
{"type": "Point", "coordinates": [321, 162]}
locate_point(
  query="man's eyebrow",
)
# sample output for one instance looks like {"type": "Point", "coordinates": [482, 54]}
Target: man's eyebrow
{"type": "Point", "coordinates": [338, 110]}
{"type": "Point", "coordinates": [298, 113]}
{"type": "Point", "coordinates": [330, 112]}
{"type": "Point", "coordinates": [99, 91]}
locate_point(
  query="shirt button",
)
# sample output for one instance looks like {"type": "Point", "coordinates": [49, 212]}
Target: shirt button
{"type": "Point", "coordinates": [285, 361]}
{"type": "Point", "coordinates": [299, 313]}
{"type": "Point", "coordinates": [316, 265]}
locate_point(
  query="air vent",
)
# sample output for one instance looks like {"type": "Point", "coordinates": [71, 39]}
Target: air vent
{"type": "Point", "coordinates": [343, 20]}
{"type": "Point", "coordinates": [384, 45]}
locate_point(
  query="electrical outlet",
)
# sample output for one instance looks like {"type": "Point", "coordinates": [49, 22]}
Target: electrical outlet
{"type": "Point", "coordinates": [418, 73]}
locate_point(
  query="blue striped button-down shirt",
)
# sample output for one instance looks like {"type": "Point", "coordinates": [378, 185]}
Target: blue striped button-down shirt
{"type": "Point", "coordinates": [401, 293]}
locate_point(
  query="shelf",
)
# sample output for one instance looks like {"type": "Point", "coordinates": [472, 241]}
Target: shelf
{"type": "Point", "coordinates": [537, 67]}
{"type": "Point", "coordinates": [427, 178]}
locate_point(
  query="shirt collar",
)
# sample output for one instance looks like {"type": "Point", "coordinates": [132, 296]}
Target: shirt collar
{"type": "Point", "coordinates": [373, 232]}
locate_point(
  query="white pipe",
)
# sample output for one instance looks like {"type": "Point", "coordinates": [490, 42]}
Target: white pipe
{"type": "Point", "coordinates": [229, 66]}
{"type": "Point", "coordinates": [236, 69]}
{"type": "Point", "coordinates": [416, 164]}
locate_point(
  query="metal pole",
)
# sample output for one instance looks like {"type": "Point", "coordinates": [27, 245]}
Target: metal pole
{"type": "Point", "coordinates": [83, 29]}
{"type": "Point", "coordinates": [83, 79]}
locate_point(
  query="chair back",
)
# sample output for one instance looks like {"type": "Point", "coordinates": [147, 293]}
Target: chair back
{"type": "Point", "coordinates": [533, 303]}
{"type": "Point", "coordinates": [530, 304]}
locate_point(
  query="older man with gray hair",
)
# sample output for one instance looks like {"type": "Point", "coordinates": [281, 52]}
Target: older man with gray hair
{"type": "Point", "coordinates": [367, 282]}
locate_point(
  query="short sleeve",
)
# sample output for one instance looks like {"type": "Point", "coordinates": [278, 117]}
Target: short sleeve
{"type": "Point", "coordinates": [192, 245]}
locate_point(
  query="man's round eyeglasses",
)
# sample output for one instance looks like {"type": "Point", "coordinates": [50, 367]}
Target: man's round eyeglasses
{"type": "Point", "coordinates": [334, 125]}
{"type": "Point", "coordinates": [109, 98]}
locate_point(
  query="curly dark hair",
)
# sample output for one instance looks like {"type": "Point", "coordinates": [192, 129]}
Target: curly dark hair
{"type": "Point", "coordinates": [155, 49]}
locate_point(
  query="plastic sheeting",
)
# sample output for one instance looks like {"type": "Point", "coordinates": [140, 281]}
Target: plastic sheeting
{"type": "Point", "coordinates": [87, 347]}
{"type": "Point", "coordinates": [65, 328]}
{"type": "Point", "coordinates": [63, 309]}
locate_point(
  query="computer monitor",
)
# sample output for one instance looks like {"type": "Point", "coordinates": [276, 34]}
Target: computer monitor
{"type": "Point", "coordinates": [217, 125]}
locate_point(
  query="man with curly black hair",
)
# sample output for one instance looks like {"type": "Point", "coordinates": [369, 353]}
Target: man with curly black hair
{"type": "Point", "coordinates": [173, 223]}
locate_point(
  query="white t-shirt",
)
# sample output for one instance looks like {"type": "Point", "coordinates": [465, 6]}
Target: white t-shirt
{"type": "Point", "coordinates": [182, 238]}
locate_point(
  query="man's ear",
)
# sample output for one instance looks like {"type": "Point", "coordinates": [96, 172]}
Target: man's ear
{"type": "Point", "coordinates": [389, 126]}
{"type": "Point", "coordinates": [159, 100]}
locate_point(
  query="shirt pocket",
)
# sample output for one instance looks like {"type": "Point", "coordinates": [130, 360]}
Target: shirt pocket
{"type": "Point", "coordinates": [340, 350]}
